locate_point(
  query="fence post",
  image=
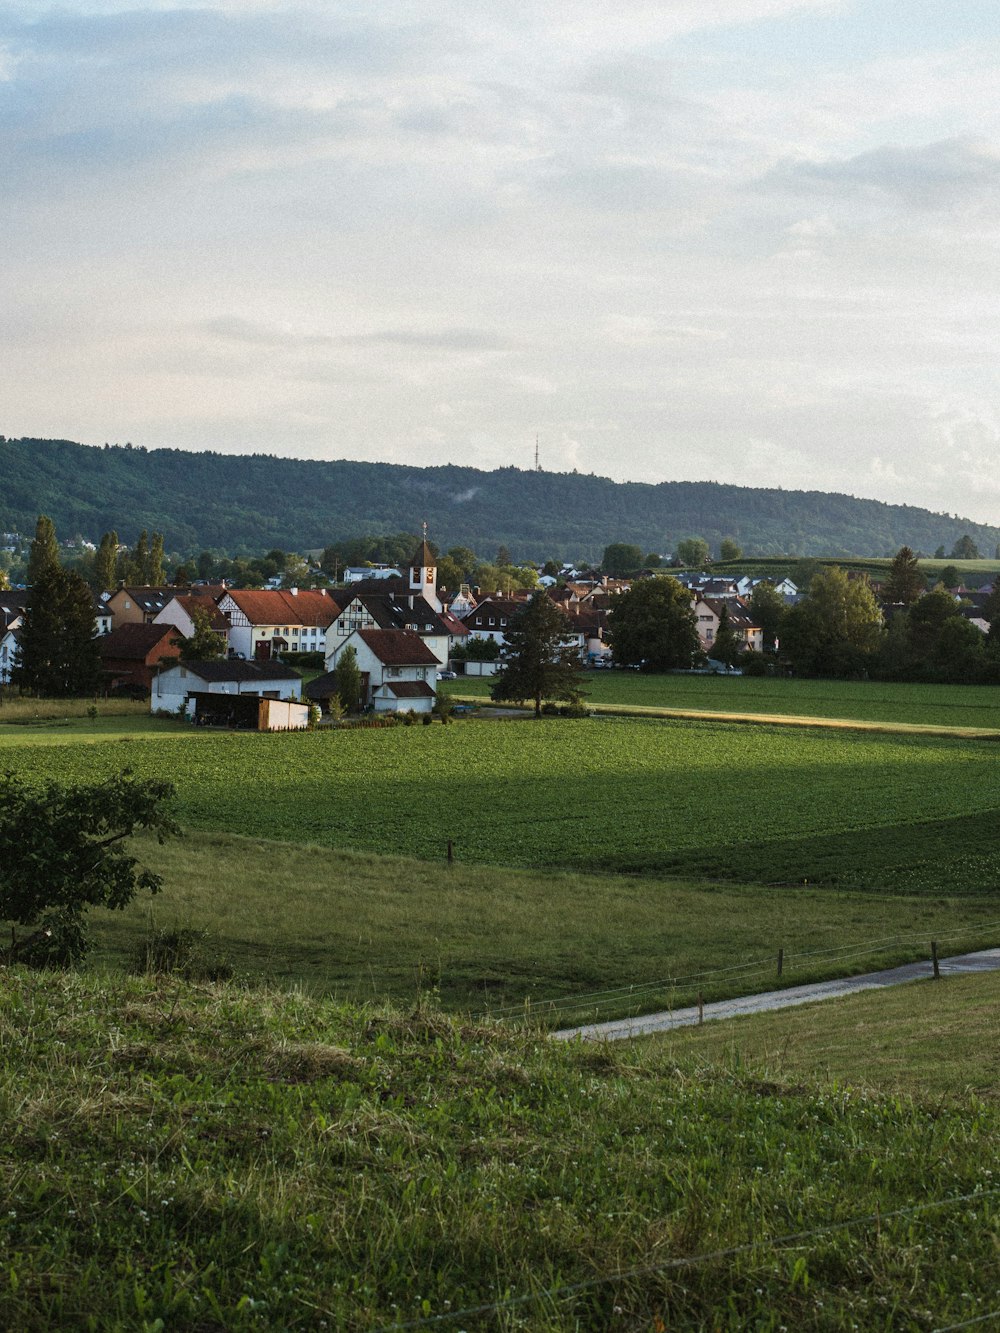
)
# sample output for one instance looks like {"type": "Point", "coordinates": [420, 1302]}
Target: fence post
{"type": "Point", "coordinates": [934, 960]}
{"type": "Point", "coordinates": [781, 959]}
{"type": "Point", "coordinates": [701, 1009]}
{"type": "Point", "coordinates": [451, 851]}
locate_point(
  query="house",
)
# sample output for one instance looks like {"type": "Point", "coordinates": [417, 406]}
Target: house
{"type": "Point", "coordinates": [489, 620]}
{"type": "Point", "coordinates": [398, 669]}
{"type": "Point", "coordinates": [268, 621]}
{"type": "Point", "coordinates": [358, 573]}
{"type": "Point", "coordinates": [708, 611]}
{"type": "Point", "coordinates": [230, 694]}
{"type": "Point", "coordinates": [130, 655]}
{"type": "Point", "coordinates": [137, 605]}
{"type": "Point", "coordinates": [411, 603]}
{"type": "Point", "coordinates": [178, 612]}
{"type": "Point", "coordinates": [9, 646]}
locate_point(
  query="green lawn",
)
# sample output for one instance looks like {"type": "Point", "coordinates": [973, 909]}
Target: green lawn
{"type": "Point", "coordinates": [888, 813]}
{"type": "Point", "coordinates": [207, 1158]}
{"type": "Point", "coordinates": [574, 947]}
{"type": "Point", "coordinates": [866, 701]}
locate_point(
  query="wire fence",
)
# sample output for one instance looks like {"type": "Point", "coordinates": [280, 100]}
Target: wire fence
{"type": "Point", "coordinates": [773, 1244]}
{"type": "Point", "coordinates": [616, 995]}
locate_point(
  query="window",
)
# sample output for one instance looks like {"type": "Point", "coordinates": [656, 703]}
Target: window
{"type": "Point", "coordinates": [492, 621]}
{"type": "Point", "coordinates": [503, 620]}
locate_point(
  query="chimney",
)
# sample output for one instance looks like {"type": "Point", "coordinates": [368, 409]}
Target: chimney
{"type": "Point", "coordinates": [294, 591]}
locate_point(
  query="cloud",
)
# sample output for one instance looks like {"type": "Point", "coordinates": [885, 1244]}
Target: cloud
{"type": "Point", "coordinates": [948, 174]}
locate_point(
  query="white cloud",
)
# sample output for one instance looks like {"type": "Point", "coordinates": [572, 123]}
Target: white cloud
{"type": "Point", "coordinates": [431, 232]}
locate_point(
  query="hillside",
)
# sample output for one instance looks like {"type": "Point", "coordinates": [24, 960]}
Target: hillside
{"type": "Point", "coordinates": [209, 500]}
{"type": "Point", "coordinates": [205, 1157]}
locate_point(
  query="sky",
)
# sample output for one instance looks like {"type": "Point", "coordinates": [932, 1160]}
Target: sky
{"type": "Point", "coordinates": [746, 241]}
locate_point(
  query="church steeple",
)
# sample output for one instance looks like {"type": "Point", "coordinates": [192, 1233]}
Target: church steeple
{"type": "Point", "coordinates": [423, 574]}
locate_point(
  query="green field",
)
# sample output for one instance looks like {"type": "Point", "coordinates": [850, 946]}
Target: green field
{"type": "Point", "coordinates": [976, 706]}
{"type": "Point", "coordinates": [562, 948]}
{"type": "Point", "coordinates": [206, 1158]}
{"type": "Point", "coordinates": [886, 813]}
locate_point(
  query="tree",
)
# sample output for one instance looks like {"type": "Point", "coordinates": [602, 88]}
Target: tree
{"type": "Point", "coordinates": [949, 577]}
{"type": "Point", "coordinates": [694, 551]}
{"type": "Point", "coordinates": [44, 553]}
{"type": "Point", "coordinates": [205, 644]}
{"type": "Point", "coordinates": [730, 549]}
{"type": "Point", "coordinates": [904, 583]}
{"type": "Point", "coordinates": [964, 549]}
{"type": "Point", "coordinates": [620, 559]}
{"type": "Point", "coordinates": [653, 625]}
{"type": "Point", "coordinates": [837, 628]}
{"type": "Point", "coordinates": [727, 646]}
{"type": "Point", "coordinates": [767, 608]}
{"type": "Point", "coordinates": [537, 660]}
{"type": "Point", "coordinates": [58, 654]}
{"type": "Point", "coordinates": [105, 575]}
{"type": "Point", "coordinates": [347, 678]}
{"type": "Point", "coordinates": [154, 574]}
{"type": "Point", "coordinates": [503, 556]}
{"type": "Point", "coordinates": [62, 850]}
{"type": "Point", "coordinates": [652, 560]}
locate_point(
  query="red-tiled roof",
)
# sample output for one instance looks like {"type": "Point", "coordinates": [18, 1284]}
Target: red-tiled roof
{"type": "Point", "coordinates": [135, 641]}
{"type": "Point", "coordinates": [280, 606]}
{"type": "Point", "coordinates": [398, 647]}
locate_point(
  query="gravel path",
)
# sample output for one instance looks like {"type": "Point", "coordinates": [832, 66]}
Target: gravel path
{"type": "Point", "coordinates": [988, 960]}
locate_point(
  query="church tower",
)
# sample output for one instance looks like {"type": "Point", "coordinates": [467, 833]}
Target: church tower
{"type": "Point", "coordinates": [423, 574]}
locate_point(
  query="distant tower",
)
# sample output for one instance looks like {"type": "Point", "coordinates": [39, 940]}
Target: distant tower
{"type": "Point", "coordinates": [423, 574]}
{"type": "Point", "coordinates": [538, 466]}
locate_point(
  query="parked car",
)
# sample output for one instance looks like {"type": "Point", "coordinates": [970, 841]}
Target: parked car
{"type": "Point", "coordinates": [447, 675]}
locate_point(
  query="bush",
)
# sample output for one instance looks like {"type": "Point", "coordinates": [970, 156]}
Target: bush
{"type": "Point", "coordinates": [179, 952]}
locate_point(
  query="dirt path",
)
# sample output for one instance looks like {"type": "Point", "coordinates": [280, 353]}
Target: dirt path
{"type": "Point", "coordinates": [988, 960]}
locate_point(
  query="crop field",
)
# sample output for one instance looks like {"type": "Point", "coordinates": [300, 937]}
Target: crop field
{"type": "Point", "coordinates": [864, 701]}
{"type": "Point", "coordinates": [766, 804]}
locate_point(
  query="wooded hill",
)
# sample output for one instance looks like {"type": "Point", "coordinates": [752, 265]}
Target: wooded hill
{"type": "Point", "coordinates": [248, 503]}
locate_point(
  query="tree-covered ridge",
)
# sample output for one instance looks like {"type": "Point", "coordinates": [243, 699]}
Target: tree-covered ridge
{"type": "Point", "coordinates": [251, 502]}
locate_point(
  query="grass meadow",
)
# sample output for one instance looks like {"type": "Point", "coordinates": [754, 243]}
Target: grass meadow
{"type": "Point", "coordinates": [971, 706]}
{"type": "Point", "coordinates": [206, 1158]}
{"type": "Point", "coordinates": [556, 949]}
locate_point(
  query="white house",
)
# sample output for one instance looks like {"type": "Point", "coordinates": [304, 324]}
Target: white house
{"type": "Point", "coordinates": [398, 669]}
{"type": "Point", "coordinates": [185, 686]}
{"type": "Point", "coordinates": [268, 621]}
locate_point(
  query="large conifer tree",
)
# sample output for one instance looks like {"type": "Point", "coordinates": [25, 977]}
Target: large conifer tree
{"type": "Point", "coordinates": [537, 660]}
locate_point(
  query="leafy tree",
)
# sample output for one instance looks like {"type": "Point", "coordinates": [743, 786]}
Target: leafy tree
{"type": "Point", "coordinates": [939, 553]}
{"type": "Point", "coordinates": [4, 580]}
{"type": "Point", "coordinates": [949, 577]}
{"type": "Point", "coordinates": [205, 644]}
{"type": "Point", "coordinates": [154, 574]}
{"type": "Point", "coordinates": [449, 573]}
{"type": "Point", "coordinates": [296, 572]}
{"type": "Point", "coordinates": [182, 576]}
{"type": "Point", "coordinates": [652, 560]}
{"type": "Point", "coordinates": [62, 850]}
{"type": "Point", "coordinates": [965, 549]}
{"type": "Point", "coordinates": [465, 559]}
{"type": "Point", "coordinates": [620, 559]}
{"type": "Point", "coordinates": [694, 551]}
{"type": "Point", "coordinates": [477, 649]}
{"type": "Point", "coordinates": [926, 622]}
{"type": "Point", "coordinates": [537, 660]}
{"type": "Point", "coordinates": [991, 612]}
{"type": "Point", "coordinates": [727, 646]}
{"type": "Point", "coordinates": [58, 654]}
{"type": "Point", "coordinates": [768, 610]}
{"type": "Point", "coordinates": [960, 651]}
{"type": "Point", "coordinates": [654, 624]}
{"type": "Point", "coordinates": [905, 583]}
{"type": "Point", "coordinates": [730, 549]}
{"type": "Point", "coordinates": [206, 565]}
{"type": "Point", "coordinates": [836, 630]}
{"type": "Point", "coordinates": [105, 572]}
{"type": "Point", "coordinates": [347, 677]}
{"type": "Point", "coordinates": [44, 553]}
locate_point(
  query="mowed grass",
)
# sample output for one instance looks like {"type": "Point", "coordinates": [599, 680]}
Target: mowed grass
{"type": "Point", "coordinates": [702, 799]}
{"type": "Point", "coordinates": [932, 1040]}
{"type": "Point", "coordinates": [203, 1157]}
{"type": "Point", "coordinates": [560, 948]}
{"type": "Point", "coordinates": [975, 706]}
